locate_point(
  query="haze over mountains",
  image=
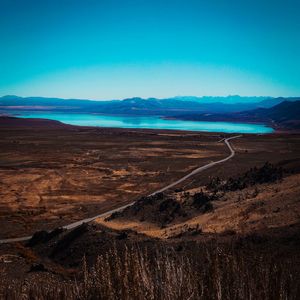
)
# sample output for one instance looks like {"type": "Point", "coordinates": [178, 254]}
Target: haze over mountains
{"type": "Point", "coordinates": [139, 106]}
{"type": "Point", "coordinates": [279, 112]}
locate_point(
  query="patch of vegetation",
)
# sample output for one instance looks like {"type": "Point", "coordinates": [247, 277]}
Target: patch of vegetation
{"type": "Point", "coordinates": [247, 268]}
{"type": "Point", "coordinates": [157, 208]}
{"type": "Point", "coordinates": [268, 173]}
{"type": "Point", "coordinates": [208, 207]}
{"type": "Point", "coordinates": [69, 238]}
{"type": "Point", "coordinates": [43, 236]}
{"type": "Point", "coordinates": [201, 200]}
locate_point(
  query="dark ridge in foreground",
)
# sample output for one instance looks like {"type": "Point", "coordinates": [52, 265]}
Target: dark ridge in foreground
{"type": "Point", "coordinates": [125, 265]}
{"type": "Point", "coordinates": [163, 209]}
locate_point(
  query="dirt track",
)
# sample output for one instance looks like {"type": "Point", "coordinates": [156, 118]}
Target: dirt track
{"type": "Point", "coordinates": [86, 220]}
{"type": "Point", "coordinates": [52, 177]}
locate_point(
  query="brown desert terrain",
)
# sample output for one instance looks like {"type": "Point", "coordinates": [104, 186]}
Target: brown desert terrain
{"type": "Point", "coordinates": [221, 228]}
{"type": "Point", "coordinates": [52, 174]}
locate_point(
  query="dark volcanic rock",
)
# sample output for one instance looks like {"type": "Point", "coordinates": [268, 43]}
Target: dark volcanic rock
{"type": "Point", "coordinates": [38, 238]}
{"type": "Point", "coordinates": [43, 236]}
{"type": "Point", "coordinates": [69, 238]}
{"type": "Point", "coordinates": [158, 209]}
{"type": "Point", "coordinates": [38, 268]}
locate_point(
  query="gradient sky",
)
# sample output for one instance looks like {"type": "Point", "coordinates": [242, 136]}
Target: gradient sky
{"type": "Point", "coordinates": [156, 48]}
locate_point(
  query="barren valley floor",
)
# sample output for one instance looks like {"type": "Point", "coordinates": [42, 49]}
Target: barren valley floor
{"type": "Point", "coordinates": [227, 217]}
{"type": "Point", "coordinates": [53, 177]}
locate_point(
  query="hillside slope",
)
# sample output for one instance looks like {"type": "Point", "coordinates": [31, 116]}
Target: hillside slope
{"type": "Point", "coordinates": [285, 115]}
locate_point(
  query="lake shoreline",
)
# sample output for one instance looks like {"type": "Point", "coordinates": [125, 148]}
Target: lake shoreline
{"type": "Point", "coordinates": [147, 122]}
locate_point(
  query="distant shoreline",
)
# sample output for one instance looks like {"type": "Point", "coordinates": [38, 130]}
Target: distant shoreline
{"type": "Point", "coordinates": [147, 122]}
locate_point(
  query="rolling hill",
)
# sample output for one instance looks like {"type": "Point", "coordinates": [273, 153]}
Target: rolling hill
{"type": "Point", "coordinates": [285, 115]}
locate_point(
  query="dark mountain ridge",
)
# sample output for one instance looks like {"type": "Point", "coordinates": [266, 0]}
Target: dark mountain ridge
{"type": "Point", "coordinates": [139, 106]}
{"type": "Point", "coordinates": [285, 115]}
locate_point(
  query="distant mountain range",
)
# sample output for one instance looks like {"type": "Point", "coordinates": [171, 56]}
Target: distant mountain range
{"type": "Point", "coordinates": [280, 112]}
{"type": "Point", "coordinates": [138, 106]}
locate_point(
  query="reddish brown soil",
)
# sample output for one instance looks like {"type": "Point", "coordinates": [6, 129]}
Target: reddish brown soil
{"type": "Point", "coordinates": [52, 174]}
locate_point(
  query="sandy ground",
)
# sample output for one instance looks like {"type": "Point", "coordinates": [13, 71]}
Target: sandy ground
{"type": "Point", "coordinates": [257, 208]}
{"type": "Point", "coordinates": [52, 174]}
{"type": "Point", "coordinates": [52, 177]}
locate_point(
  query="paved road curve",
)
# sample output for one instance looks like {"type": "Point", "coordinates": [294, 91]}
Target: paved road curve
{"type": "Point", "coordinates": [196, 171]}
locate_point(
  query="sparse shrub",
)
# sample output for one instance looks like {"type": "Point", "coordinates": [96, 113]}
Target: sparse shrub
{"type": "Point", "coordinates": [169, 204]}
{"type": "Point", "coordinates": [113, 216]}
{"type": "Point", "coordinates": [37, 238]}
{"type": "Point", "coordinates": [208, 207]}
{"type": "Point", "coordinates": [197, 271]}
{"type": "Point", "coordinates": [27, 253]}
{"type": "Point", "coordinates": [122, 235]}
{"type": "Point", "coordinates": [69, 238]}
{"type": "Point", "coordinates": [157, 209]}
{"type": "Point", "coordinates": [266, 174]}
{"type": "Point", "coordinates": [37, 268]}
{"type": "Point", "coordinates": [214, 184]}
{"type": "Point", "coordinates": [201, 199]}
{"type": "Point", "coordinates": [228, 232]}
{"type": "Point", "coordinates": [43, 236]}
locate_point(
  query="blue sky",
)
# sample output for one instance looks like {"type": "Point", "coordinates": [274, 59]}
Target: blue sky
{"type": "Point", "coordinates": [156, 48]}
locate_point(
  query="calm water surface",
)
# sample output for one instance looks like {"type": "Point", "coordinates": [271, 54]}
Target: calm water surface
{"type": "Point", "coordinates": [150, 122]}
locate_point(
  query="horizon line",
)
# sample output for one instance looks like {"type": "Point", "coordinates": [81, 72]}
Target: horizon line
{"type": "Point", "coordinates": [138, 97]}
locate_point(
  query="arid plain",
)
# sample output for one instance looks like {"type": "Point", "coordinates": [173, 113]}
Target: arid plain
{"type": "Point", "coordinates": [228, 216]}
{"type": "Point", "coordinates": [52, 177]}
{"type": "Point", "coordinates": [54, 174]}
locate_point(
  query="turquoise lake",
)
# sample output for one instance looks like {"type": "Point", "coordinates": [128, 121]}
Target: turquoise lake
{"type": "Point", "coordinates": [148, 122]}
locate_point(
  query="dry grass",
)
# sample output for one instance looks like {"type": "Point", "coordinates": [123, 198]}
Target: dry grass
{"type": "Point", "coordinates": [213, 272]}
{"type": "Point", "coordinates": [53, 177]}
{"type": "Point", "coordinates": [256, 208]}
{"type": "Point", "coordinates": [27, 253]}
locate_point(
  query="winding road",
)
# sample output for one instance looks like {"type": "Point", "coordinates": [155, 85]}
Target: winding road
{"type": "Point", "coordinates": [196, 171]}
